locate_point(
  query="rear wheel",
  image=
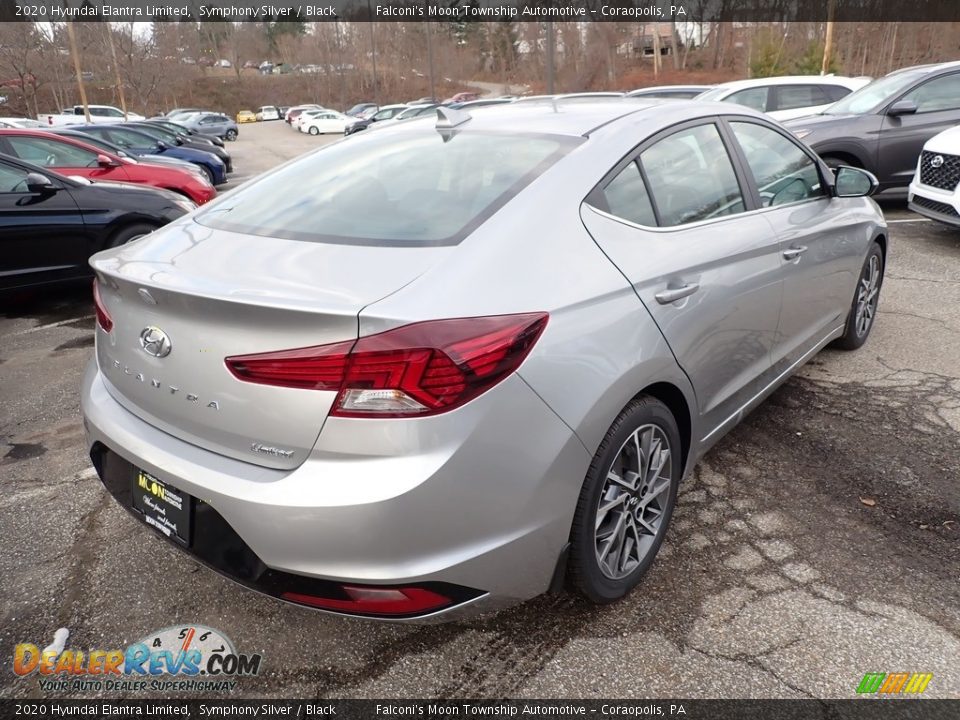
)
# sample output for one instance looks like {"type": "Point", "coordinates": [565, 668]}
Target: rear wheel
{"type": "Point", "coordinates": [314, 130]}
{"type": "Point", "coordinates": [863, 311]}
{"type": "Point", "coordinates": [626, 501]}
{"type": "Point", "coordinates": [129, 234]}
{"type": "Point", "coordinates": [231, 135]}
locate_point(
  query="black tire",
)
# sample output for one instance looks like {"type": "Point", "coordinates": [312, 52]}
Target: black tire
{"type": "Point", "coordinates": [858, 328]}
{"type": "Point", "coordinates": [585, 572]}
{"type": "Point", "coordinates": [209, 173]}
{"type": "Point", "coordinates": [231, 135]}
{"type": "Point", "coordinates": [129, 233]}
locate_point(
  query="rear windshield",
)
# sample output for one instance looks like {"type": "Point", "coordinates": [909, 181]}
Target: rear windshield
{"type": "Point", "coordinates": [411, 188]}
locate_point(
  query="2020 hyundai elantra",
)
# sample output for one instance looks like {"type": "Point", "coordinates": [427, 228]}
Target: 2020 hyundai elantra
{"type": "Point", "coordinates": [424, 398]}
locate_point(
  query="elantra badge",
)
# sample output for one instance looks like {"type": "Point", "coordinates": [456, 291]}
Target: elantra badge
{"type": "Point", "coordinates": [154, 341]}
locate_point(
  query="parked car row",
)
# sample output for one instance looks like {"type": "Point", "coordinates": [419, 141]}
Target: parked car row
{"type": "Point", "coordinates": [68, 190]}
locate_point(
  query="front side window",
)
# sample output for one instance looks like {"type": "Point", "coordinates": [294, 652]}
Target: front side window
{"type": "Point", "coordinates": [755, 98]}
{"type": "Point", "coordinates": [49, 153]}
{"type": "Point", "coordinates": [347, 192]}
{"type": "Point", "coordinates": [783, 172]}
{"type": "Point", "coordinates": [942, 93]}
{"type": "Point", "coordinates": [12, 179]}
{"type": "Point", "coordinates": [691, 177]}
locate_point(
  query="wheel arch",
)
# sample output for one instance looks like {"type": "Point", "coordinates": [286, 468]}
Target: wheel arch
{"type": "Point", "coordinates": [676, 402]}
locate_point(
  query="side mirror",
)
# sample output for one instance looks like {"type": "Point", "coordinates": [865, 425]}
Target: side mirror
{"type": "Point", "coordinates": [41, 184]}
{"type": "Point", "coordinates": [105, 162]}
{"type": "Point", "coordinates": [161, 145]}
{"type": "Point", "coordinates": [854, 182]}
{"type": "Point", "coordinates": [902, 107]}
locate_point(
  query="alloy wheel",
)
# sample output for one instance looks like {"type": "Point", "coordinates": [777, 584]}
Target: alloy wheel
{"type": "Point", "coordinates": [634, 499]}
{"type": "Point", "coordinates": [867, 296]}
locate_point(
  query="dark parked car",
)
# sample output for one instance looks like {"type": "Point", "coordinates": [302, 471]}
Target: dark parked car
{"type": "Point", "coordinates": [177, 127]}
{"type": "Point", "coordinates": [117, 150]}
{"type": "Point", "coordinates": [50, 225]}
{"type": "Point", "coordinates": [384, 113]}
{"type": "Point", "coordinates": [182, 139]}
{"type": "Point", "coordinates": [137, 142]}
{"type": "Point", "coordinates": [362, 109]}
{"type": "Point", "coordinates": [882, 127]}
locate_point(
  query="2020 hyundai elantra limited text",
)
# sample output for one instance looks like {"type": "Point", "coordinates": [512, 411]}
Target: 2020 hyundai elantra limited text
{"type": "Point", "coordinates": [422, 398]}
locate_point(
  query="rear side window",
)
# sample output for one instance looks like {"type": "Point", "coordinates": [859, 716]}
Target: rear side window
{"type": "Point", "coordinates": [790, 97]}
{"type": "Point", "coordinates": [387, 189]}
{"type": "Point", "coordinates": [691, 177]}
{"type": "Point", "coordinates": [626, 197]}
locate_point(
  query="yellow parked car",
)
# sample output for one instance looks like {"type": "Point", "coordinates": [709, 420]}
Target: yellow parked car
{"type": "Point", "coordinates": [245, 116]}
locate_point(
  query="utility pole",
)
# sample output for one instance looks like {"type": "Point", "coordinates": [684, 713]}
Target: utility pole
{"type": "Point", "coordinates": [433, 92]}
{"type": "Point", "coordinates": [550, 59]}
{"type": "Point", "coordinates": [828, 40]}
{"type": "Point", "coordinates": [76, 68]}
{"type": "Point", "coordinates": [116, 70]}
{"type": "Point", "coordinates": [336, 27]}
{"type": "Point", "coordinates": [373, 51]}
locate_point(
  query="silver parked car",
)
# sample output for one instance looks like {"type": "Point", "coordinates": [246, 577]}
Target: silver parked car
{"type": "Point", "coordinates": [419, 399]}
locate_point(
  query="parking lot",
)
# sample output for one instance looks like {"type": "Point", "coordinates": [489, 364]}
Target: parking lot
{"type": "Point", "coordinates": [820, 540]}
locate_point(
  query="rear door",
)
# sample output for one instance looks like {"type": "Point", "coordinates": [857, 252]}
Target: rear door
{"type": "Point", "coordinates": [902, 136]}
{"type": "Point", "coordinates": [818, 239]}
{"type": "Point", "coordinates": [42, 236]}
{"type": "Point", "coordinates": [674, 217]}
{"type": "Point", "coordinates": [793, 101]}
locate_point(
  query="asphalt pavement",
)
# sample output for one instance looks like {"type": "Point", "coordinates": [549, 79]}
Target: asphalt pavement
{"type": "Point", "coordinates": [819, 541]}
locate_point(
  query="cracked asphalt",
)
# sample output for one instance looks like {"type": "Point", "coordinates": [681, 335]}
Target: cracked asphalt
{"type": "Point", "coordinates": [820, 540]}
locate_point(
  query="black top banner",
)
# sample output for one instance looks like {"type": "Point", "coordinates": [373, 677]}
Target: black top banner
{"type": "Point", "coordinates": [861, 709]}
{"type": "Point", "coordinates": [481, 10]}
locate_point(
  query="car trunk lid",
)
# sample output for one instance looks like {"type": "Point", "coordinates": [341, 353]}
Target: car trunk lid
{"type": "Point", "coordinates": [214, 294]}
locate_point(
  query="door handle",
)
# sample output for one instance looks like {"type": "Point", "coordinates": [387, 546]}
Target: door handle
{"type": "Point", "coordinates": [794, 252]}
{"type": "Point", "coordinates": [671, 295]}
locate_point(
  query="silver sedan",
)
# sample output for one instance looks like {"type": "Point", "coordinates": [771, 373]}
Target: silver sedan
{"type": "Point", "coordinates": [467, 359]}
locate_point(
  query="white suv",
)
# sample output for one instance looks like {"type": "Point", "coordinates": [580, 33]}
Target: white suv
{"type": "Point", "coordinates": [785, 98]}
{"type": "Point", "coordinates": [935, 188]}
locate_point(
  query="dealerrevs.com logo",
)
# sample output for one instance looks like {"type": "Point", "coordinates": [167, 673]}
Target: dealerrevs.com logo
{"type": "Point", "coordinates": [176, 659]}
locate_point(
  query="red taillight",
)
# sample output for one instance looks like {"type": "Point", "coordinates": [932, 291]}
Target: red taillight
{"type": "Point", "coordinates": [103, 317]}
{"type": "Point", "coordinates": [420, 369]}
{"type": "Point", "coordinates": [376, 601]}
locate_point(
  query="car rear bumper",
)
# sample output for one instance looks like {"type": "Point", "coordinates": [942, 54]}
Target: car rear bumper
{"type": "Point", "coordinates": [934, 203]}
{"type": "Point", "coordinates": [478, 501]}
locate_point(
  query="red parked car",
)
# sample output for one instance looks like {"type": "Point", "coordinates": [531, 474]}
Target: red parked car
{"type": "Point", "coordinates": [72, 157]}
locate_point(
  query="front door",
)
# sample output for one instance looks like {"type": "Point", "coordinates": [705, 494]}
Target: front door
{"type": "Point", "coordinates": [42, 235]}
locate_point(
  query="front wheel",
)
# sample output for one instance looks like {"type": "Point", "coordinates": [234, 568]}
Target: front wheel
{"type": "Point", "coordinates": [313, 130]}
{"type": "Point", "coordinates": [626, 502]}
{"type": "Point", "coordinates": [231, 135]}
{"type": "Point", "coordinates": [863, 311]}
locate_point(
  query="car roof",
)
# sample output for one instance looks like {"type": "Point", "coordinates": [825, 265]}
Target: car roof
{"type": "Point", "coordinates": [931, 67]}
{"type": "Point", "coordinates": [36, 132]}
{"type": "Point", "coordinates": [667, 88]}
{"type": "Point", "coordinates": [841, 80]}
{"type": "Point", "coordinates": [580, 118]}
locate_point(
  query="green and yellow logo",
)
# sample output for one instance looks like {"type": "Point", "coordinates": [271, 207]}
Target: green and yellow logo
{"type": "Point", "coordinates": [894, 683]}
